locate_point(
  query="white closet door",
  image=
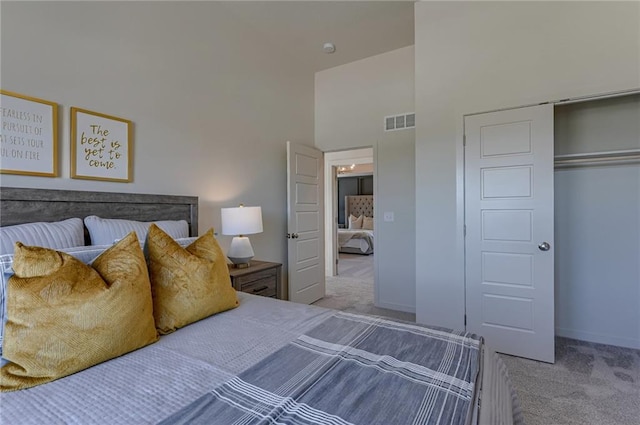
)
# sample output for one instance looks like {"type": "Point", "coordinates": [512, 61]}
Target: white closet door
{"type": "Point", "coordinates": [509, 230]}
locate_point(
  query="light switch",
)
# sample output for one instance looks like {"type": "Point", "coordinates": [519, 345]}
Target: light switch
{"type": "Point", "coordinates": [388, 216]}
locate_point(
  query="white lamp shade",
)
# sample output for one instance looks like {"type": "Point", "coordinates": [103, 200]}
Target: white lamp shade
{"type": "Point", "coordinates": [241, 220]}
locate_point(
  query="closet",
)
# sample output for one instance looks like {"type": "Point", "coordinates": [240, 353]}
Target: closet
{"type": "Point", "coordinates": [557, 256]}
{"type": "Point", "coordinates": [597, 220]}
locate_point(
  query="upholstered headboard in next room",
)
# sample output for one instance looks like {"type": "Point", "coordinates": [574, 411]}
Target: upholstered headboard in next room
{"type": "Point", "coordinates": [359, 205]}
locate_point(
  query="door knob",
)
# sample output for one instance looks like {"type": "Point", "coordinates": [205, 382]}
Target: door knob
{"type": "Point", "coordinates": [295, 236]}
{"type": "Point", "coordinates": [544, 246]}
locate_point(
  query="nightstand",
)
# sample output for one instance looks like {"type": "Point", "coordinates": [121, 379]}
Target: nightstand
{"type": "Point", "coordinates": [260, 278]}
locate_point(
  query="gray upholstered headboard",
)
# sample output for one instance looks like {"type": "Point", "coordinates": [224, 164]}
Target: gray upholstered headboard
{"type": "Point", "coordinates": [19, 205]}
{"type": "Point", "coordinates": [359, 205]}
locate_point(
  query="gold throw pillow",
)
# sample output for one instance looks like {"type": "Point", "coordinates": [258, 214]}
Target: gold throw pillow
{"type": "Point", "coordinates": [187, 284]}
{"type": "Point", "coordinates": [65, 316]}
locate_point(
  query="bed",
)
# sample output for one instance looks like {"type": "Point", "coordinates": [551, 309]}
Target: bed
{"type": "Point", "coordinates": [266, 361]}
{"type": "Point", "coordinates": [358, 240]}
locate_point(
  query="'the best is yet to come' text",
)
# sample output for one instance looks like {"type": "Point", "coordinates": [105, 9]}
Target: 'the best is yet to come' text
{"type": "Point", "coordinates": [98, 149]}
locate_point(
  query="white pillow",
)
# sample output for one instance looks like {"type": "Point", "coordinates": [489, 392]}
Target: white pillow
{"type": "Point", "coordinates": [105, 231]}
{"type": "Point", "coordinates": [355, 223]}
{"type": "Point", "coordinates": [56, 235]}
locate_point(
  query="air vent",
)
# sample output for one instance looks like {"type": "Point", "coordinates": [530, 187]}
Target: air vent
{"type": "Point", "coordinates": [411, 120]}
{"type": "Point", "coordinates": [400, 122]}
{"type": "Point", "coordinates": [389, 123]}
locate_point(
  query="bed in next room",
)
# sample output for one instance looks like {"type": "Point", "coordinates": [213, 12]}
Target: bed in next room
{"type": "Point", "coordinates": [357, 238]}
{"type": "Point", "coordinates": [254, 360]}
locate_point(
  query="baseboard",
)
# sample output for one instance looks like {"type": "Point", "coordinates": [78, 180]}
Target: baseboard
{"type": "Point", "coordinates": [598, 338]}
{"type": "Point", "coordinates": [397, 307]}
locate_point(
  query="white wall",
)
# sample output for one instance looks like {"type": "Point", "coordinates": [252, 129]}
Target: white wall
{"type": "Point", "coordinates": [597, 237]}
{"type": "Point", "coordinates": [394, 191]}
{"type": "Point", "coordinates": [597, 225]}
{"type": "Point", "coordinates": [479, 56]}
{"type": "Point", "coordinates": [211, 104]}
{"type": "Point", "coordinates": [351, 102]}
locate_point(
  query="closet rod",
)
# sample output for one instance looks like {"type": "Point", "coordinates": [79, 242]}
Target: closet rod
{"type": "Point", "coordinates": [620, 157]}
{"type": "Point", "coordinates": [596, 97]}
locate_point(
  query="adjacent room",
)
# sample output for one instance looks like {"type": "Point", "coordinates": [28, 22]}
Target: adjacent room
{"type": "Point", "coordinates": [353, 212]}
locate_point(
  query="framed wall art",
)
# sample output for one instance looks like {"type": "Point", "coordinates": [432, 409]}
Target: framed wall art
{"type": "Point", "coordinates": [28, 135]}
{"type": "Point", "coordinates": [101, 146]}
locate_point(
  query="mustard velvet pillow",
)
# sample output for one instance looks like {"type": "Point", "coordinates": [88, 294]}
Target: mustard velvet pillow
{"type": "Point", "coordinates": [187, 284]}
{"type": "Point", "coordinates": [65, 316]}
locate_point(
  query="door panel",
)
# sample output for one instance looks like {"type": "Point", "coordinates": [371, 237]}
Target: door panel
{"type": "Point", "coordinates": [506, 225]}
{"type": "Point", "coordinates": [508, 213]}
{"type": "Point", "coordinates": [305, 199]}
{"type": "Point", "coordinates": [506, 182]}
{"type": "Point", "coordinates": [508, 269]}
{"type": "Point", "coordinates": [505, 139]}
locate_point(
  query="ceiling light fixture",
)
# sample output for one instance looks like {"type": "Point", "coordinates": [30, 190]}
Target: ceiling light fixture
{"type": "Point", "coordinates": [329, 47]}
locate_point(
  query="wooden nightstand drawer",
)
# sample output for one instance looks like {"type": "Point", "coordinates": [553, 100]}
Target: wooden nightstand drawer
{"type": "Point", "coordinates": [260, 278]}
{"type": "Point", "coordinates": [253, 277]}
{"type": "Point", "coordinates": [264, 287]}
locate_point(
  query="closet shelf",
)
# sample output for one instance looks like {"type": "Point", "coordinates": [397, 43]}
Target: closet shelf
{"type": "Point", "coordinates": [620, 157]}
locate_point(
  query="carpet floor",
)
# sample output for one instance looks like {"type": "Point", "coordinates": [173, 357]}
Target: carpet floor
{"type": "Point", "coordinates": [356, 296]}
{"type": "Point", "coordinates": [590, 384]}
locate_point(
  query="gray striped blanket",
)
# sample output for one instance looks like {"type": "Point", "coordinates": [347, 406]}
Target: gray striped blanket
{"type": "Point", "coordinates": [352, 369]}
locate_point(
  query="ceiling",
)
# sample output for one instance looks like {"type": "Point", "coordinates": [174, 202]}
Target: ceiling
{"type": "Point", "coordinates": [354, 169]}
{"type": "Point", "coordinates": [358, 29]}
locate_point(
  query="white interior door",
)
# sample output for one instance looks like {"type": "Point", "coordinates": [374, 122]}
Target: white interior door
{"type": "Point", "coordinates": [509, 230]}
{"type": "Point", "coordinates": [305, 226]}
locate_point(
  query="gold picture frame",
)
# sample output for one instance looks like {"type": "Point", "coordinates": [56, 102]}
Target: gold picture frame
{"type": "Point", "coordinates": [28, 135]}
{"type": "Point", "coordinates": [101, 146]}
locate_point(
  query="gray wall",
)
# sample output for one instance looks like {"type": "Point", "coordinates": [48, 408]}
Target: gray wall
{"type": "Point", "coordinates": [479, 56]}
{"type": "Point", "coordinates": [352, 100]}
{"type": "Point", "coordinates": [350, 105]}
{"type": "Point", "coordinates": [394, 192]}
{"type": "Point", "coordinates": [212, 103]}
{"type": "Point", "coordinates": [597, 226]}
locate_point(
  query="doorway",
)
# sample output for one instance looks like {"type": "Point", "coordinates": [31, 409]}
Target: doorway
{"type": "Point", "coordinates": [356, 238]}
{"type": "Point", "coordinates": [350, 269]}
{"type": "Point", "coordinates": [394, 228]}
{"type": "Point", "coordinates": [332, 163]}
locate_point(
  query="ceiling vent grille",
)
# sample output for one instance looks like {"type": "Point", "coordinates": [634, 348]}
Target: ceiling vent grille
{"type": "Point", "coordinates": [400, 122]}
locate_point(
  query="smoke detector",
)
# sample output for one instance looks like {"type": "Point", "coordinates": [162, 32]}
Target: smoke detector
{"type": "Point", "coordinates": [329, 48]}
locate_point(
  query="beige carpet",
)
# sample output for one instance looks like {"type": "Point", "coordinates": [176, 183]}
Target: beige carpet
{"type": "Point", "coordinates": [590, 384]}
{"type": "Point", "coordinates": [356, 296]}
{"type": "Point", "coordinates": [356, 266]}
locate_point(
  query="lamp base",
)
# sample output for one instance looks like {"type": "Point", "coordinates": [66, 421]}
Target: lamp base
{"type": "Point", "coordinates": [240, 251]}
{"type": "Point", "coordinates": [241, 265]}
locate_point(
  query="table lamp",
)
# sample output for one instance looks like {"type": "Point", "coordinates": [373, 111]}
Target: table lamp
{"type": "Point", "coordinates": [241, 221]}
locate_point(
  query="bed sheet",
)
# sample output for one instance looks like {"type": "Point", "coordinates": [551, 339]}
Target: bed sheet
{"type": "Point", "coordinates": [355, 241]}
{"type": "Point", "coordinates": [153, 383]}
